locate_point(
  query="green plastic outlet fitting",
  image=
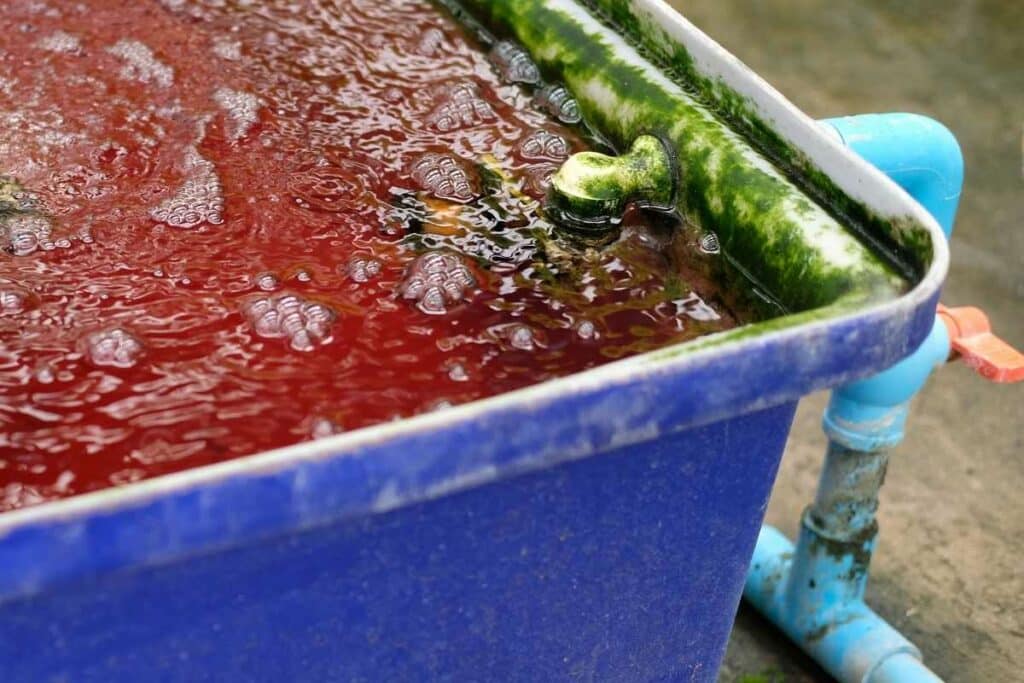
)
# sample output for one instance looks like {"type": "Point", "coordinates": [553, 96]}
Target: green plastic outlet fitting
{"type": "Point", "coordinates": [590, 192]}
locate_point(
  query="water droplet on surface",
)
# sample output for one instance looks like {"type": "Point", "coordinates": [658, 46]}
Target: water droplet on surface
{"type": "Point", "coordinates": [542, 145]}
{"type": "Point", "coordinates": [557, 101]}
{"type": "Point", "coordinates": [514, 63]}
{"type": "Point", "coordinates": [444, 177]}
{"type": "Point", "coordinates": [115, 347]}
{"type": "Point", "coordinates": [459, 106]}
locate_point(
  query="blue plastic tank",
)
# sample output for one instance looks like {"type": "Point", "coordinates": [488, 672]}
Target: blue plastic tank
{"type": "Point", "coordinates": [595, 527]}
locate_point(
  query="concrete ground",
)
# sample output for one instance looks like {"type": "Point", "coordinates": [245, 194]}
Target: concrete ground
{"type": "Point", "coordinates": [949, 570]}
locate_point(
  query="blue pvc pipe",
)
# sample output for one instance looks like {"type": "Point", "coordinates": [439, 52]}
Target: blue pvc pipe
{"type": "Point", "coordinates": [814, 592]}
{"type": "Point", "coordinates": [920, 154]}
{"type": "Point", "coordinates": [923, 157]}
{"type": "Point", "coordinates": [871, 414]}
{"type": "Point", "coordinates": [803, 593]}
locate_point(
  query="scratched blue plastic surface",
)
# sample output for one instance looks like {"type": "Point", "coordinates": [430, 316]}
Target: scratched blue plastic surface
{"type": "Point", "coordinates": [595, 570]}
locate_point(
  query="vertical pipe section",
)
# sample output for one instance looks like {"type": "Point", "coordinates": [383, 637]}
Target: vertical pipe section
{"type": "Point", "coordinates": [847, 495]}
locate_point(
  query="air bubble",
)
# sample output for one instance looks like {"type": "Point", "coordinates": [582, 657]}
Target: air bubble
{"type": "Point", "coordinates": [300, 340]}
{"type": "Point", "coordinates": [557, 101]}
{"type": "Point", "coordinates": [538, 178]}
{"type": "Point", "coordinates": [242, 109]}
{"type": "Point", "coordinates": [433, 301]}
{"type": "Point", "coordinates": [14, 299]}
{"type": "Point", "coordinates": [62, 42]}
{"type": "Point", "coordinates": [24, 234]}
{"type": "Point", "coordinates": [542, 145]}
{"type": "Point", "coordinates": [321, 428]}
{"type": "Point", "coordinates": [268, 282]}
{"type": "Point", "coordinates": [437, 280]}
{"type": "Point", "coordinates": [521, 337]}
{"type": "Point", "coordinates": [444, 177]}
{"type": "Point", "coordinates": [709, 243]}
{"type": "Point", "coordinates": [141, 64]}
{"type": "Point", "coordinates": [586, 330]}
{"type": "Point", "coordinates": [430, 43]}
{"type": "Point", "coordinates": [199, 200]}
{"type": "Point", "coordinates": [115, 347]}
{"type": "Point", "coordinates": [457, 373]}
{"type": "Point", "coordinates": [514, 63]}
{"type": "Point", "coordinates": [460, 107]}
{"type": "Point", "coordinates": [305, 324]}
{"type": "Point", "coordinates": [361, 269]}
{"type": "Point", "coordinates": [303, 276]}
{"type": "Point", "coordinates": [225, 48]}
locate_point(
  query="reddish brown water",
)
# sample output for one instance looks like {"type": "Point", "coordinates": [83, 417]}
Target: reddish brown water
{"type": "Point", "coordinates": [224, 243]}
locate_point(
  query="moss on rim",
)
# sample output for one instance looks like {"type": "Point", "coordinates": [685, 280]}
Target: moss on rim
{"type": "Point", "coordinates": [793, 246]}
{"type": "Point", "coordinates": [905, 240]}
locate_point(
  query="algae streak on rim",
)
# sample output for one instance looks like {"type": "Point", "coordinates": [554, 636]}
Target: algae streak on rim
{"type": "Point", "coordinates": [790, 244]}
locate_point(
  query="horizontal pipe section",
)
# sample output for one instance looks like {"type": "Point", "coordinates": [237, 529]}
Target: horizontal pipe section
{"type": "Point", "coordinates": [800, 590]}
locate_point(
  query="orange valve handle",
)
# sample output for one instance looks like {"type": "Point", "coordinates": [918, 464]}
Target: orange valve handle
{"type": "Point", "coordinates": [970, 335]}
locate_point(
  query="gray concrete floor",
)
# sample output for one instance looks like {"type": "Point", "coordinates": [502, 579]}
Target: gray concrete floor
{"type": "Point", "coordinates": [949, 570]}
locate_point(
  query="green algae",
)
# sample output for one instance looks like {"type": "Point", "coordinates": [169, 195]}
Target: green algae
{"type": "Point", "coordinates": [790, 244]}
{"type": "Point", "coordinates": [905, 242]}
{"type": "Point", "coordinates": [591, 188]}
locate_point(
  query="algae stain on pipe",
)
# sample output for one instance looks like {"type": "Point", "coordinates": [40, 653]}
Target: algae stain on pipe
{"type": "Point", "coordinates": [589, 193]}
{"type": "Point", "coordinates": [791, 244]}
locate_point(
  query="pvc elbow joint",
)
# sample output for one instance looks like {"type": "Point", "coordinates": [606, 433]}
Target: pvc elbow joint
{"type": "Point", "coordinates": [920, 154]}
